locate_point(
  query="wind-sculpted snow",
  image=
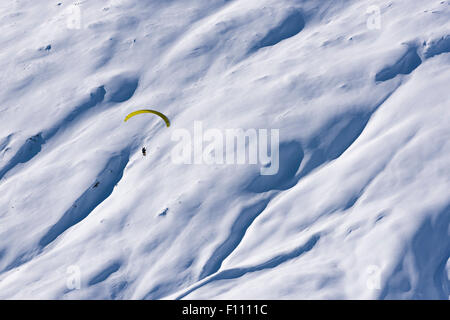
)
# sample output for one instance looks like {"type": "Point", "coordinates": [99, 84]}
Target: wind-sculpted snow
{"type": "Point", "coordinates": [358, 207]}
{"type": "Point", "coordinates": [237, 232]}
{"type": "Point", "coordinates": [29, 149]}
{"type": "Point", "coordinates": [33, 145]}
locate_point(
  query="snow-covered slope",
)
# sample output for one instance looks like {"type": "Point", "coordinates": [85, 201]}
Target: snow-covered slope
{"type": "Point", "coordinates": [360, 206]}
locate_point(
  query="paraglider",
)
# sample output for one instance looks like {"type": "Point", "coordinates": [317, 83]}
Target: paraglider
{"type": "Point", "coordinates": [162, 116]}
{"type": "Point", "coordinates": [166, 120]}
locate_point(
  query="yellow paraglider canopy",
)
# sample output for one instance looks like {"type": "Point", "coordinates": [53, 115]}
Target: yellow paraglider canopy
{"type": "Point", "coordinates": [166, 120]}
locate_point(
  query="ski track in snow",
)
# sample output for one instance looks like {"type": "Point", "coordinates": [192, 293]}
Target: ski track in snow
{"type": "Point", "coordinates": [363, 180]}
